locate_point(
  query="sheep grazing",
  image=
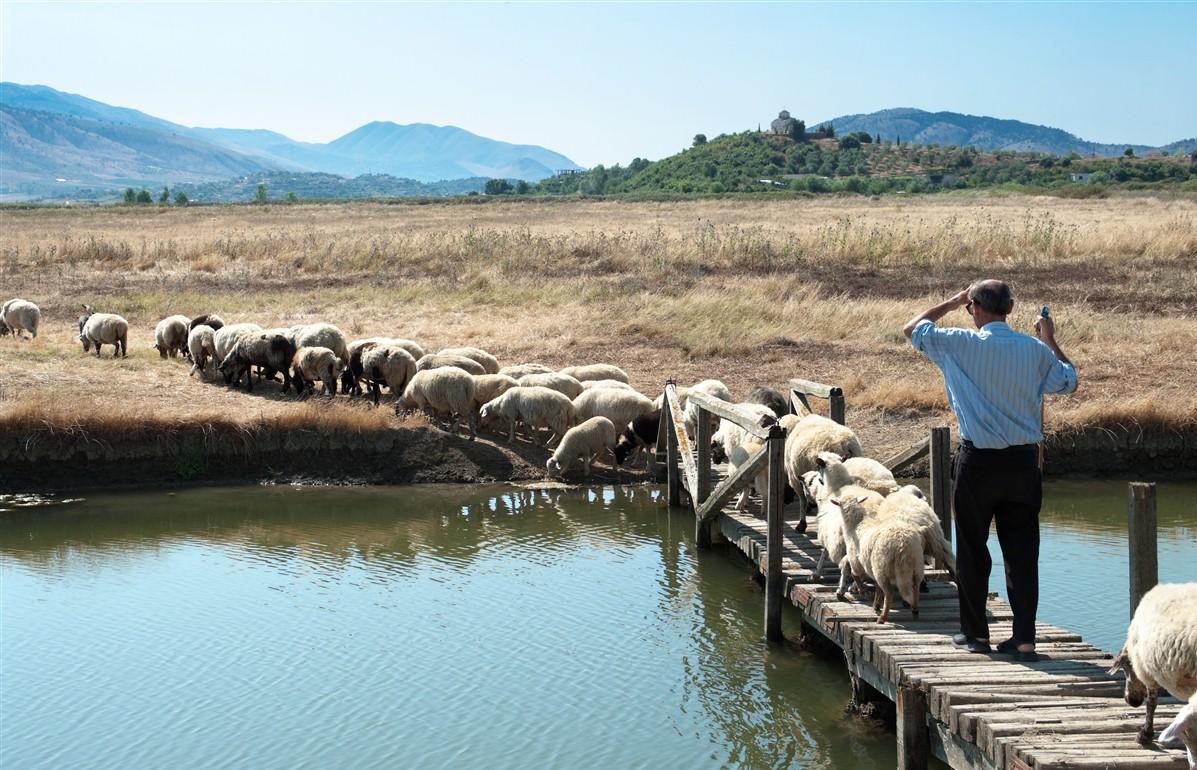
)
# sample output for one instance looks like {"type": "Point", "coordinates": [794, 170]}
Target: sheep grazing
{"type": "Point", "coordinates": [170, 335]}
{"type": "Point", "coordinates": [272, 351]}
{"type": "Point", "coordinates": [598, 384]}
{"type": "Point", "coordinates": [201, 343]}
{"type": "Point", "coordinates": [596, 372]}
{"type": "Point", "coordinates": [535, 407]}
{"type": "Point", "coordinates": [618, 406]}
{"type": "Point", "coordinates": [712, 388]}
{"type": "Point", "coordinates": [226, 337]}
{"type": "Point", "coordinates": [770, 398]}
{"type": "Point", "coordinates": [1184, 730]}
{"type": "Point", "coordinates": [445, 392]}
{"type": "Point", "coordinates": [809, 436]}
{"type": "Point", "coordinates": [437, 361]}
{"type": "Point", "coordinates": [315, 363]}
{"type": "Point", "coordinates": [1161, 651]}
{"type": "Point", "coordinates": [519, 370]}
{"type": "Point", "coordinates": [562, 383]}
{"type": "Point", "coordinates": [640, 435]}
{"type": "Point", "coordinates": [480, 356]}
{"type": "Point", "coordinates": [586, 442]}
{"type": "Point", "coordinates": [322, 335]}
{"type": "Point", "coordinates": [211, 320]}
{"type": "Point", "coordinates": [103, 329]}
{"type": "Point", "coordinates": [491, 386]}
{"type": "Point", "coordinates": [388, 365]}
{"type": "Point", "coordinates": [20, 315]}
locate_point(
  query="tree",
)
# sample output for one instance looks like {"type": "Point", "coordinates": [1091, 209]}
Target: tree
{"type": "Point", "coordinates": [497, 187]}
{"type": "Point", "coordinates": [522, 187]}
{"type": "Point", "coordinates": [1129, 152]}
{"type": "Point", "coordinates": [699, 139]}
{"type": "Point", "coordinates": [877, 139]}
{"type": "Point", "coordinates": [130, 195]}
{"type": "Point", "coordinates": [798, 130]}
{"type": "Point", "coordinates": [164, 197]}
{"type": "Point", "coordinates": [181, 199]}
{"type": "Point", "coordinates": [260, 195]}
{"type": "Point", "coordinates": [849, 142]}
{"type": "Point", "coordinates": [292, 198]}
{"type": "Point", "coordinates": [144, 196]}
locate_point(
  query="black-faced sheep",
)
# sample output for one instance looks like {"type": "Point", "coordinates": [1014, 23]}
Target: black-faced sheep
{"type": "Point", "coordinates": [437, 361]}
{"type": "Point", "coordinates": [770, 398]}
{"type": "Point", "coordinates": [1161, 649]}
{"type": "Point", "coordinates": [270, 351]}
{"type": "Point", "coordinates": [533, 407]}
{"type": "Point", "coordinates": [445, 392]}
{"type": "Point", "coordinates": [103, 329]}
{"type": "Point", "coordinates": [170, 335]}
{"type": "Point", "coordinates": [586, 441]}
{"type": "Point", "coordinates": [201, 343]}
{"type": "Point", "coordinates": [313, 364]}
{"type": "Point", "coordinates": [211, 320]}
{"type": "Point", "coordinates": [596, 372]}
{"type": "Point", "coordinates": [639, 436]}
{"type": "Point", "coordinates": [18, 315]}
{"type": "Point", "coordinates": [478, 355]}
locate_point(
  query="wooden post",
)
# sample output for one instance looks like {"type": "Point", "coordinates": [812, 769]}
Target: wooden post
{"type": "Point", "coordinates": [774, 502]}
{"type": "Point", "coordinates": [836, 408]}
{"type": "Point", "coordinates": [941, 478]}
{"type": "Point", "coordinates": [702, 531]}
{"type": "Point", "coordinates": [673, 473]}
{"type": "Point", "coordinates": [1144, 562]}
{"type": "Point", "coordinates": [913, 739]}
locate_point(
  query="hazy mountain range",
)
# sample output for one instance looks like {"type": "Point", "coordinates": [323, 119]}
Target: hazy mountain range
{"type": "Point", "coordinates": [54, 140]}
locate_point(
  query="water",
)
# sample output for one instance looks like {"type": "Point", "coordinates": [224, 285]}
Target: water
{"type": "Point", "coordinates": [464, 627]}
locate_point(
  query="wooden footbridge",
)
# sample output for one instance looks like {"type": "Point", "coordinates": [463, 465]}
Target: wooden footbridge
{"type": "Point", "coordinates": [969, 710]}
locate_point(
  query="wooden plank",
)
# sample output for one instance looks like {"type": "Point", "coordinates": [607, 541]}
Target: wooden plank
{"type": "Point", "coordinates": [672, 472]}
{"type": "Point", "coordinates": [913, 740]}
{"type": "Point", "coordinates": [746, 420]}
{"type": "Point", "coordinates": [732, 484]}
{"type": "Point", "coordinates": [775, 447]}
{"type": "Point", "coordinates": [814, 388]}
{"type": "Point", "coordinates": [702, 437]}
{"type": "Point", "coordinates": [799, 404]}
{"type": "Point", "coordinates": [908, 456]}
{"type": "Point", "coordinates": [1141, 521]}
{"type": "Point", "coordinates": [677, 426]}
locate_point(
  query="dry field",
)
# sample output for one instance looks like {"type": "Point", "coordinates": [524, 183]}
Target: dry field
{"type": "Point", "coordinates": [750, 292]}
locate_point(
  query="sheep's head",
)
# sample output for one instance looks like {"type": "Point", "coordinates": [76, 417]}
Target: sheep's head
{"type": "Point", "coordinates": [1136, 690]}
{"type": "Point", "coordinates": [623, 448]}
{"type": "Point", "coordinates": [827, 458]}
{"type": "Point", "coordinates": [553, 467]}
{"type": "Point", "coordinates": [1184, 729]}
{"type": "Point", "coordinates": [487, 414]}
{"type": "Point", "coordinates": [913, 490]}
{"type": "Point", "coordinates": [854, 507]}
{"type": "Point", "coordinates": [718, 455]}
{"type": "Point", "coordinates": [813, 483]}
{"type": "Point", "coordinates": [4, 330]}
{"type": "Point", "coordinates": [86, 342]}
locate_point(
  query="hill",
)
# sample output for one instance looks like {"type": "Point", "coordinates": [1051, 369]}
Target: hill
{"type": "Point", "coordinates": [319, 186]}
{"type": "Point", "coordinates": [985, 133]}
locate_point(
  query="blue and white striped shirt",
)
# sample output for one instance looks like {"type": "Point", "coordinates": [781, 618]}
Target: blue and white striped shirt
{"type": "Point", "coordinates": [995, 378]}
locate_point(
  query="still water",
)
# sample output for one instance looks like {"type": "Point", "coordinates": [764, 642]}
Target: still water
{"type": "Point", "coordinates": [463, 627]}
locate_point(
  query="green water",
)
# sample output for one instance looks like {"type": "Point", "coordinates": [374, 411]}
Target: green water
{"type": "Point", "coordinates": [463, 627]}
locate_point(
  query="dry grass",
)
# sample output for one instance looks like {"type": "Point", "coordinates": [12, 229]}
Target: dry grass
{"type": "Point", "coordinates": [751, 292]}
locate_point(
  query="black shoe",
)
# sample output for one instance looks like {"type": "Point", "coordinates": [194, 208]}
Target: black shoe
{"type": "Point", "coordinates": [1010, 647]}
{"type": "Point", "coordinates": [973, 645]}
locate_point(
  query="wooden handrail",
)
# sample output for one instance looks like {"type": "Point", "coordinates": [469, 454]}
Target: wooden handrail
{"type": "Point", "coordinates": [815, 388]}
{"type": "Point", "coordinates": [690, 474]}
{"type": "Point", "coordinates": [748, 421]}
{"type": "Point", "coordinates": [743, 476]}
{"type": "Point", "coordinates": [909, 456]}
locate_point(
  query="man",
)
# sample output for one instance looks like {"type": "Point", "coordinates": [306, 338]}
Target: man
{"type": "Point", "coordinates": [995, 378]}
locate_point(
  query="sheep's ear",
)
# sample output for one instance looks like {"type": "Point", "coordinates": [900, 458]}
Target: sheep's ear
{"type": "Point", "coordinates": [835, 501]}
{"type": "Point", "coordinates": [1121, 663]}
{"type": "Point", "coordinates": [819, 461]}
{"type": "Point", "coordinates": [861, 498]}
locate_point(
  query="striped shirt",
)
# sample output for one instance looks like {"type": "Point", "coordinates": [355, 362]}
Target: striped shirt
{"type": "Point", "coordinates": [995, 378]}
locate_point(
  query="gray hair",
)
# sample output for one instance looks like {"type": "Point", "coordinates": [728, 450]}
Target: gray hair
{"type": "Point", "coordinates": [993, 296]}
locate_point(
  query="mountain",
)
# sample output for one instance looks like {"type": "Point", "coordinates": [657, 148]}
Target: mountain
{"type": "Point", "coordinates": [954, 128]}
{"type": "Point", "coordinates": [47, 135]}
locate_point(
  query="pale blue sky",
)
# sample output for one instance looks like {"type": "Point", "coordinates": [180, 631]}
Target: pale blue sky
{"type": "Point", "coordinates": [605, 83]}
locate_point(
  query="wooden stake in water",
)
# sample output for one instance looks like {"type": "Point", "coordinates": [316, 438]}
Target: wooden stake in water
{"type": "Point", "coordinates": [1144, 560]}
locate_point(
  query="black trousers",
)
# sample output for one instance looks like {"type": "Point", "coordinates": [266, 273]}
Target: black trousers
{"type": "Point", "coordinates": [1003, 486]}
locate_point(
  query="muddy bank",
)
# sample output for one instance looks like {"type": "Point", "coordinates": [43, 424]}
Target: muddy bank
{"type": "Point", "coordinates": [71, 460]}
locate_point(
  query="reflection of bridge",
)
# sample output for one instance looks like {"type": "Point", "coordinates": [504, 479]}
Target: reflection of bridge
{"type": "Point", "coordinates": [969, 710]}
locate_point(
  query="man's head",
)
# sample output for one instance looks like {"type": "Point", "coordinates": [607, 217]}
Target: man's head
{"type": "Point", "coordinates": [989, 300]}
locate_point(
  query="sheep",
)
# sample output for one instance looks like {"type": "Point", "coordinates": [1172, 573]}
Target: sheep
{"type": "Point", "coordinates": [270, 350]}
{"type": "Point", "coordinates": [640, 435]}
{"type": "Point", "coordinates": [389, 365]}
{"type": "Point", "coordinates": [437, 361]}
{"type": "Point", "coordinates": [1184, 730]}
{"type": "Point", "coordinates": [891, 552]}
{"type": "Point", "coordinates": [1160, 650]}
{"type": "Point", "coordinates": [856, 504]}
{"type": "Point", "coordinates": [486, 360]}
{"type": "Point", "coordinates": [618, 406]}
{"type": "Point", "coordinates": [730, 435]}
{"type": "Point", "coordinates": [355, 349]}
{"type": "Point", "coordinates": [596, 372]}
{"type": "Point", "coordinates": [811, 435]}
{"type": "Point", "coordinates": [315, 363]}
{"type": "Point", "coordinates": [616, 384]}
{"type": "Point", "coordinates": [562, 383]}
{"type": "Point", "coordinates": [445, 391]}
{"type": "Point", "coordinates": [413, 348]}
{"type": "Point", "coordinates": [491, 386]}
{"type": "Point", "coordinates": [322, 335]}
{"type": "Point", "coordinates": [226, 337]}
{"type": "Point", "coordinates": [210, 320]}
{"type": "Point", "coordinates": [519, 370]}
{"type": "Point", "coordinates": [587, 441]}
{"type": "Point", "coordinates": [201, 343]}
{"type": "Point", "coordinates": [770, 398]}
{"type": "Point", "coordinates": [834, 472]}
{"type": "Point", "coordinates": [749, 446]}
{"type": "Point", "coordinates": [917, 512]}
{"type": "Point", "coordinates": [103, 329]}
{"type": "Point", "coordinates": [170, 335]}
{"type": "Point", "coordinates": [18, 315]}
{"type": "Point", "coordinates": [535, 407]}
{"type": "Point", "coordinates": [712, 388]}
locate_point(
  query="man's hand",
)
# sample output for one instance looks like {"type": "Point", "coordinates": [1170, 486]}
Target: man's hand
{"type": "Point", "coordinates": [933, 314]}
{"type": "Point", "coordinates": [960, 299]}
{"type": "Point", "coordinates": [1045, 328]}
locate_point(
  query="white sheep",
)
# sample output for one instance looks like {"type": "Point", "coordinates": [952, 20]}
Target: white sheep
{"type": "Point", "coordinates": [809, 436]}
{"type": "Point", "coordinates": [747, 446]}
{"type": "Point", "coordinates": [201, 343]}
{"type": "Point", "coordinates": [315, 363]}
{"type": "Point", "coordinates": [445, 392]}
{"type": "Point", "coordinates": [712, 388]}
{"type": "Point", "coordinates": [856, 504]}
{"type": "Point", "coordinates": [322, 335]}
{"type": "Point", "coordinates": [104, 329]}
{"type": "Point", "coordinates": [586, 441]}
{"type": "Point", "coordinates": [913, 508]}
{"type": "Point", "coordinates": [618, 406]}
{"type": "Point", "coordinates": [519, 370]}
{"type": "Point", "coordinates": [226, 337]}
{"type": "Point", "coordinates": [562, 383]}
{"type": "Point", "coordinates": [170, 335]}
{"type": "Point", "coordinates": [484, 359]}
{"type": "Point", "coordinates": [491, 386]}
{"type": "Point", "coordinates": [616, 384]}
{"type": "Point", "coordinates": [1161, 650]}
{"type": "Point", "coordinates": [388, 365]}
{"type": "Point", "coordinates": [437, 361]}
{"type": "Point", "coordinates": [535, 407]}
{"type": "Point", "coordinates": [596, 372]}
{"type": "Point", "coordinates": [730, 435]}
{"type": "Point", "coordinates": [413, 348]}
{"type": "Point", "coordinates": [832, 475]}
{"type": "Point", "coordinates": [18, 315]}
{"type": "Point", "coordinates": [1184, 730]}
{"type": "Point", "coordinates": [891, 552]}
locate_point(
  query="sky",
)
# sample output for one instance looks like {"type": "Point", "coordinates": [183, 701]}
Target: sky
{"type": "Point", "coordinates": [605, 83]}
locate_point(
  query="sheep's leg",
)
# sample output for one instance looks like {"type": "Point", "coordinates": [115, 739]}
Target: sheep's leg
{"type": "Point", "coordinates": [742, 500]}
{"type": "Point", "coordinates": [845, 576]}
{"type": "Point", "coordinates": [511, 433]}
{"type": "Point", "coordinates": [914, 606]}
{"type": "Point", "coordinates": [375, 391]}
{"type": "Point", "coordinates": [822, 558]}
{"type": "Point", "coordinates": [586, 465]}
{"type": "Point", "coordinates": [885, 609]}
{"type": "Point", "coordinates": [1147, 733]}
{"type": "Point", "coordinates": [877, 597]}
{"type": "Point", "coordinates": [800, 527]}
{"type": "Point", "coordinates": [472, 421]}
